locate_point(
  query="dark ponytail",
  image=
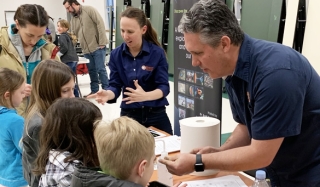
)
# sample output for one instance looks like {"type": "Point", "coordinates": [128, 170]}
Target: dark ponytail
{"type": "Point", "coordinates": [151, 34]}
{"type": "Point", "coordinates": [31, 14]}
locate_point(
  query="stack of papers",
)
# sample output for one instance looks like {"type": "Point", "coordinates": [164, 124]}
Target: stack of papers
{"type": "Point", "coordinates": [172, 144]}
{"type": "Point", "coordinates": [225, 181]}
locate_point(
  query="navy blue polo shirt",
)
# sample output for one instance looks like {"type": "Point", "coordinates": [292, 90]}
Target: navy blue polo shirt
{"type": "Point", "coordinates": [275, 92]}
{"type": "Point", "coordinates": [149, 67]}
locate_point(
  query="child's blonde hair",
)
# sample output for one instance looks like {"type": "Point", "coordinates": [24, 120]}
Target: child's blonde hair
{"type": "Point", "coordinates": [65, 24]}
{"type": "Point", "coordinates": [10, 81]}
{"type": "Point", "coordinates": [121, 145]}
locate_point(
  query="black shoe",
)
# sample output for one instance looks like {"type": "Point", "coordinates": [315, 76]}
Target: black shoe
{"type": "Point", "coordinates": [88, 94]}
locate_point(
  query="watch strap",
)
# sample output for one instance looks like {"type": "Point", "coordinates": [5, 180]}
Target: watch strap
{"type": "Point", "coordinates": [198, 158]}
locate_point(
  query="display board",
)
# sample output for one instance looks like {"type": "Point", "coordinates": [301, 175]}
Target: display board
{"type": "Point", "coordinates": [195, 93]}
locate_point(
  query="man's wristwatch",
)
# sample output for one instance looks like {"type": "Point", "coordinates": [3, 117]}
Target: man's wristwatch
{"type": "Point", "coordinates": [198, 166]}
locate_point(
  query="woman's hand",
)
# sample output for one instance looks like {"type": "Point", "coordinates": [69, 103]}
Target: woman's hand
{"type": "Point", "coordinates": [102, 96]}
{"type": "Point", "coordinates": [135, 95]}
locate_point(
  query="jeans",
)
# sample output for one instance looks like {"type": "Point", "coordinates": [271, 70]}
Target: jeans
{"type": "Point", "coordinates": [73, 66]}
{"type": "Point", "coordinates": [97, 69]}
{"type": "Point", "coordinates": [150, 116]}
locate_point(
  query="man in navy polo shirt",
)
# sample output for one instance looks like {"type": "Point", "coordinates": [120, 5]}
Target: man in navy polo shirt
{"type": "Point", "coordinates": [274, 95]}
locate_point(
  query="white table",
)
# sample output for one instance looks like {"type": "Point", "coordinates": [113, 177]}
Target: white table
{"type": "Point", "coordinates": [83, 60]}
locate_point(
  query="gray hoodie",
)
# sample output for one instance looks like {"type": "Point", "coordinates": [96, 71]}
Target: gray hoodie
{"type": "Point", "coordinates": [67, 50]}
{"type": "Point", "coordinates": [30, 141]}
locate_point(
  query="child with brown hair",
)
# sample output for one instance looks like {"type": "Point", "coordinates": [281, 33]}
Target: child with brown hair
{"type": "Point", "coordinates": [12, 85]}
{"type": "Point", "coordinates": [66, 139]}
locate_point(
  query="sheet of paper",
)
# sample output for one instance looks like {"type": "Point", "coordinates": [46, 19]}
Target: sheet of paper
{"type": "Point", "coordinates": [225, 181]}
{"type": "Point", "coordinates": [172, 144]}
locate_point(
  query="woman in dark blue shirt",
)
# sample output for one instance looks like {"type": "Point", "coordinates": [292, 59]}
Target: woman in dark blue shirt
{"type": "Point", "coordinates": [139, 69]}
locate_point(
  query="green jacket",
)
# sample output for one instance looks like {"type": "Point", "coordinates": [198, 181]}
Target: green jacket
{"type": "Point", "coordinates": [10, 58]}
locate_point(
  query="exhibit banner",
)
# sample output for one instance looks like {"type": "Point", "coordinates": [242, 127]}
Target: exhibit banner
{"type": "Point", "coordinates": [195, 93]}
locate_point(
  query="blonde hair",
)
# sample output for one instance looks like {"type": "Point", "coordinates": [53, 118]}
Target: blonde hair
{"type": "Point", "coordinates": [121, 145]}
{"type": "Point", "coordinates": [66, 24]}
{"type": "Point", "coordinates": [10, 81]}
{"type": "Point", "coordinates": [47, 79]}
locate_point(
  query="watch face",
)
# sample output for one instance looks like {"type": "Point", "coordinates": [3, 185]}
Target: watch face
{"type": "Point", "coordinates": [199, 167]}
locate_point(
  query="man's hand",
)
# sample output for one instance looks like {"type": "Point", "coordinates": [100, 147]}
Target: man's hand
{"type": "Point", "coordinates": [101, 96]}
{"type": "Point", "coordinates": [101, 46]}
{"type": "Point", "coordinates": [135, 95]}
{"type": "Point", "coordinates": [181, 164]}
{"type": "Point", "coordinates": [205, 150]}
{"type": "Point", "coordinates": [27, 90]}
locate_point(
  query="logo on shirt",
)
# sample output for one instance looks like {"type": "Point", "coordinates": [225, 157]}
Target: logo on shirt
{"type": "Point", "coordinates": [147, 68]}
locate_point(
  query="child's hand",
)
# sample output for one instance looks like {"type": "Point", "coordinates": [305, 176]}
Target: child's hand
{"type": "Point", "coordinates": [27, 90]}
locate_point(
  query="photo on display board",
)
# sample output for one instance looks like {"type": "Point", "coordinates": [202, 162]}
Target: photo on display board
{"type": "Point", "coordinates": [199, 92]}
{"type": "Point", "coordinates": [190, 76]}
{"type": "Point", "coordinates": [208, 81]}
{"type": "Point", "coordinates": [182, 113]}
{"type": "Point", "coordinates": [198, 78]}
{"type": "Point", "coordinates": [190, 103]}
{"type": "Point", "coordinates": [181, 100]}
{"type": "Point", "coordinates": [181, 87]}
{"type": "Point", "coordinates": [191, 90]}
{"type": "Point", "coordinates": [182, 74]}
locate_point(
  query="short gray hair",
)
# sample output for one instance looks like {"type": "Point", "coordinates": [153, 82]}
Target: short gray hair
{"type": "Point", "coordinates": [212, 19]}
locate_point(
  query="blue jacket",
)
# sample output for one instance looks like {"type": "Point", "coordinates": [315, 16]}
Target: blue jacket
{"type": "Point", "coordinates": [10, 148]}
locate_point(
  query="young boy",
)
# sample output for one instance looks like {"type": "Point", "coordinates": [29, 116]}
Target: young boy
{"type": "Point", "coordinates": [126, 155]}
